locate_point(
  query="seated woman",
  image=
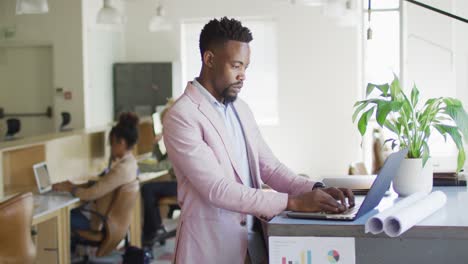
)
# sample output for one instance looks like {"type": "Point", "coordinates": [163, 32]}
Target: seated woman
{"type": "Point", "coordinates": [123, 169]}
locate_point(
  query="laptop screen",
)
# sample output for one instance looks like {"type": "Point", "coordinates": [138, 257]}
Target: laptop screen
{"type": "Point", "coordinates": [42, 177]}
{"type": "Point", "coordinates": [157, 126]}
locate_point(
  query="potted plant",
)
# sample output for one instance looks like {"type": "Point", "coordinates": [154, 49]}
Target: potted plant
{"type": "Point", "coordinates": [412, 124]}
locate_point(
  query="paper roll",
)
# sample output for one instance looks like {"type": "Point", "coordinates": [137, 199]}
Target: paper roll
{"type": "Point", "coordinates": [375, 224]}
{"type": "Point", "coordinates": [402, 220]}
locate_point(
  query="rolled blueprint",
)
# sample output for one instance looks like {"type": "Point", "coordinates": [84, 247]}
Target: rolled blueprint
{"type": "Point", "coordinates": [402, 220]}
{"type": "Point", "coordinates": [375, 224]}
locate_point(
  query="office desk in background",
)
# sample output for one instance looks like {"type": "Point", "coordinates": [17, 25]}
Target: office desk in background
{"type": "Point", "coordinates": [58, 208]}
{"type": "Point", "coordinates": [440, 238]}
{"type": "Point", "coordinates": [47, 207]}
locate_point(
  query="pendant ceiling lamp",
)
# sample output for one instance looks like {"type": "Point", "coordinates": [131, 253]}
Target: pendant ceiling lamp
{"type": "Point", "coordinates": [158, 21]}
{"type": "Point", "coordinates": [31, 7]}
{"type": "Point", "coordinates": [109, 14]}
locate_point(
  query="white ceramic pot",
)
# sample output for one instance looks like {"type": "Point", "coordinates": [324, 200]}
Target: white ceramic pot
{"type": "Point", "coordinates": [412, 177]}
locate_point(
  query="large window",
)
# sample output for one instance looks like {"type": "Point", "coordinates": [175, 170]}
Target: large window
{"type": "Point", "coordinates": [260, 89]}
{"type": "Point", "coordinates": [382, 51]}
{"type": "Point", "coordinates": [381, 54]}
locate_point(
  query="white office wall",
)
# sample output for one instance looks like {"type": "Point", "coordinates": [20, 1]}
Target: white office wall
{"type": "Point", "coordinates": [319, 75]}
{"type": "Point", "coordinates": [103, 46]}
{"type": "Point", "coordinates": [460, 7]}
{"type": "Point", "coordinates": [437, 59]}
{"type": "Point", "coordinates": [430, 50]}
{"type": "Point", "coordinates": [60, 29]}
{"type": "Point", "coordinates": [25, 87]}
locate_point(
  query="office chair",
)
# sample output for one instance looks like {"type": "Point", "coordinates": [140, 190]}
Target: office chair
{"type": "Point", "coordinates": [13, 127]}
{"type": "Point", "coordinates": [115, 223]}
{"type": "Point", "coordinates": [66, 119]}
{"type": "Point", "coordinates": [168, 204]}
{"type": "Point", "coordinates": [16, 244]}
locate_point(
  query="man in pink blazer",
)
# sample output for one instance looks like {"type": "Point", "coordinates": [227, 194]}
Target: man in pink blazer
{"type": "Point", "coordinates": [221, 160]}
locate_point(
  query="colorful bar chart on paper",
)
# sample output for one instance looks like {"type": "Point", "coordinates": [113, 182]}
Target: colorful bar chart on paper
{"type": "Point", "coordinates": [308, 250]}
{"type": "Point", "coordinates": [306, 258]}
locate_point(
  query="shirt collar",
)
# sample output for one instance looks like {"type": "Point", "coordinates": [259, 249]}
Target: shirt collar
{"type": "Point", "coordinates": [207, 94]}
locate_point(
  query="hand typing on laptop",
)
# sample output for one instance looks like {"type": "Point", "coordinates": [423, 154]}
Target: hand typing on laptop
{"type": "Point", "coordinates": [66, 186]}
{"type": "Point", "coordinates": [332, 200]}
{"type": "Point", "coordinates": [307, 205]}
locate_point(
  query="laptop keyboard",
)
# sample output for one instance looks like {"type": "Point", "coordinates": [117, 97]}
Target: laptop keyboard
{"type": "Point", "coordinates": [57, 193]}
{"type": "Point", "coordinates": [348, 211]}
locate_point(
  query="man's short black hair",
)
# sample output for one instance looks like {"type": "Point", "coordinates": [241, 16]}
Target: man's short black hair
{"type": "Point", "coordinates": [220, 31]}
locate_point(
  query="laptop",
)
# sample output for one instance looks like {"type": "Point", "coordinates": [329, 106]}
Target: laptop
{"type": "Point", "coordinates": [157, 125]}
{"type": "Point", "coordinates": [159, 149]}
{"type": "Point", "coordinates": [44, 184]}
{"type": "Point", "coordinates": [373, 197]}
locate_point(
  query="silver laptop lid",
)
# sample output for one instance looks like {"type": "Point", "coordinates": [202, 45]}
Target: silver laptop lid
{"type": "Point", "coordinates": [382, 182]}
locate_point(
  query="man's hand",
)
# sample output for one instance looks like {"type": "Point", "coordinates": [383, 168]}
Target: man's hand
{"type": "Point", "coordinates": [341, 194]}
{"type": "Point", "coordinates": [63, 186]}
{"type": "Point", "coordinates": [322, 200]}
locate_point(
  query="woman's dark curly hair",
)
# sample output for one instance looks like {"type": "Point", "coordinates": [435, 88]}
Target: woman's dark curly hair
{"type": "Point", "coordinates": [126, 129]}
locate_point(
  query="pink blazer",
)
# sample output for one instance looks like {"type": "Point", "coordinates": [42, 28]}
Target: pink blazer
{"type": "Point", "coordinates": [213, 200]}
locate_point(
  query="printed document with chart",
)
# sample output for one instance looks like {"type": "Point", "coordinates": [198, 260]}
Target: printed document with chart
{"type": "Point", "coordinates": [312, 250]}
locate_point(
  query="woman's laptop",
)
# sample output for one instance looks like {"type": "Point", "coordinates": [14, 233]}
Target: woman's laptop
{"type": "Point", "coordinates": [373, 197]}
{"type": "Point", "coordinates": [44, 184]}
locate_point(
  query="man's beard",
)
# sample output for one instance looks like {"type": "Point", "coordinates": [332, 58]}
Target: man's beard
{"type": "Point", "coordinates": [229, 98]}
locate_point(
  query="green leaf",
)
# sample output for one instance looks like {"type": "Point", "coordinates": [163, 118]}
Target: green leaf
{"type": "Point", "coordinates": [454, 133]}
{"type": "Point", "coordinates": [362, 124]}
{"type": "Point", "coordinates": [359, 102]}
{"type": "Point", "coordinates": [395, 88]}
{"type": "Point", "coordinates": [441, 131]}
{"type": "Point", "coordinates": [391, 127]}
{"type": "Point", "coordinates": [384, 108]}
{"type": "Point", "coordinates": [458, 114]}
{"type": "Point", "coordinates": [461, 159]}
{"type": "Point", "coordinates": [370, 88]}
{"type": "Point", "coordinates": [382, 87]}
{"type": "Point", "coordinates": [425, 153]}
{"type": "Point", "coordinates": [452, 101]}
{"type": "Point", "coordinates": [366, 103]}
{"type": "Point", "coordinates": [358, 110]}
{"type": "Point", "coordinates": [431, 107]}
{"type": "Point", "coordinates": [414, 96]}
{"type": "Point", "coordinates": [398, 127]}
{"type": "Point", "coordinates": [407, 106]}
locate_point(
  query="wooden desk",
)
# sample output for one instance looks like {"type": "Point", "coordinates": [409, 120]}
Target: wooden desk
{"type": "Point", "coordinates": [150, 176]}
{"type": "Point", "coordinates": [56, 207]}
{"type": "Point", "coordinates": [440, 238]}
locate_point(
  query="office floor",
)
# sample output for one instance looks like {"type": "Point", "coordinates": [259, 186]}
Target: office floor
{"type": "Point", "coordinates": [164, 254]}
